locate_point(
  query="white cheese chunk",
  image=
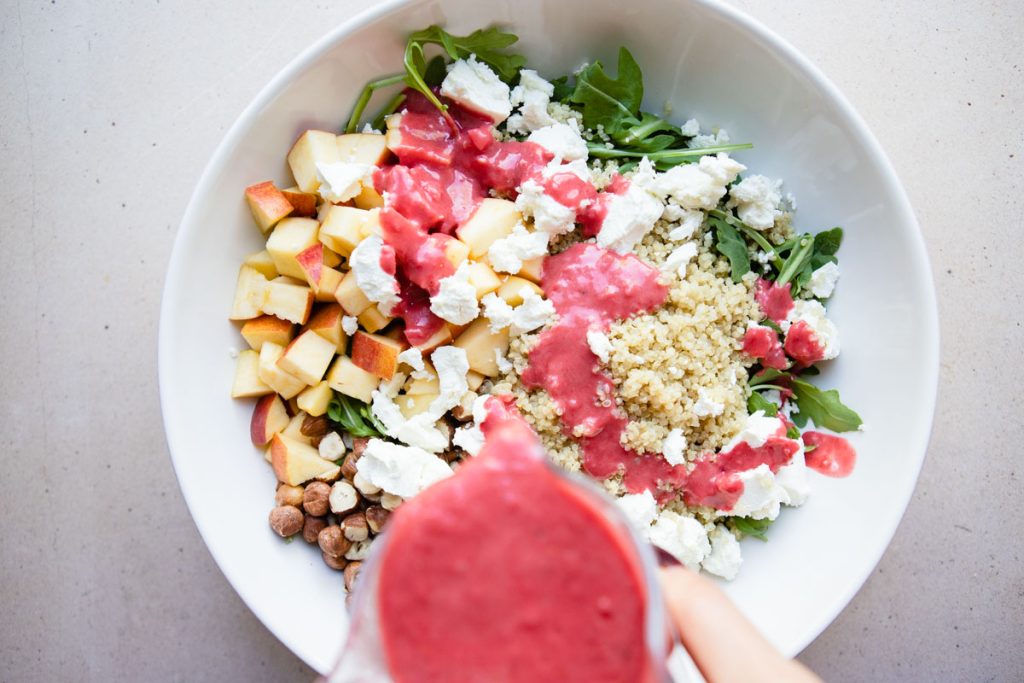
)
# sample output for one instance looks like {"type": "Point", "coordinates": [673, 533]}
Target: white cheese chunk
{"type": "Point", "coordinates": [472, 84]}
{"type": "Point", "coordinates": [531, 96]}
{"type": "Point", "coordinates": [340, 181]}
{"type": "Point", "coordinates": [756, 430]}
{"type": "Point", "coordinates": [725, 557]}
{"type": "Point", "coordinates": [674, 447]}
{"type": "Point", "coordinates": [377, 284]}
{"type": "Point", "coordinates": [350, 324]}
{"type": "Point", "coordinates": [548, 214]}
{"type": "Point", "coordinates": [639, 508]}
{"type": "Point", "coordinates": [792, 477]}
{"type": "Point", "coordinates": [679, 259]}
{"type": "Point", "coordinates": [697, 186]}
{"type": "Point", "coordinates": [400, 470]}
{"type": "Point", "coordinates": [756, 199]}
{"type": "Point", "coordinates": [823, 280]}
{"type": "Point", "coordinates": [707, 406]}
{"type": "Point", "coordinates": [456, 300]}
{"type": "Point", "coordinates": [561, 139]}
{"type": "Point", "coordinates": [534, 312]}
{"type": "Point", "coordinates": [813, 314]}
{"type": "Point", "coordinates": [507, 254]}
{"type": "Point", "coordinates": [629, 217]}
{"type": "Point", "coordinates": [681, 536]}
{"type": "Point", "coordinates": [452, 366]}
{"type": "Point", "coordinates": [599, 344]}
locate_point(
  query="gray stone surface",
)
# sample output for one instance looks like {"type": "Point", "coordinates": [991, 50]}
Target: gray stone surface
{"type": "Point", "coordinates": [109, 112]}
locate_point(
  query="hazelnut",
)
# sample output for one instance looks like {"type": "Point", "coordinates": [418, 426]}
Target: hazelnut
{"type": "Point", "coordinates": [359, 551]}
{"type": "Point", "coordinates": [351, 572]}
{"type": "Point", "coordinates": [348, 467]}
{"type": "Point", "coordinates": [315, 498]}
{"type": "Point", "coordinates": [343, 497]}
{"type": "Point", "coordinates": [355, 528]}
{"type": "Point", "coordinates": [331, 447]}
{"type": "Point", "coordinates": [315, 427]}
{"type": "Point", "coordinates": [390, 501]}
{"type": "Point", "coordinates": [288, 495]}
{"type": "Point", "coordinates": [311, 528]}
{"type": "Point", "coordinates": [333, 542]}
{"type": "Point", "coordinates": [365, 486]}
{"type": "Point", "coordinates": [334, 562]}
{"type": "Point", "coordinates": [376, 517]}
{"type": "Point", "coordinates": [359, 445]}
{"type": "Point", "coordinates": [464, 411]}
{"type": "Point", "coordinates": [286, 520]}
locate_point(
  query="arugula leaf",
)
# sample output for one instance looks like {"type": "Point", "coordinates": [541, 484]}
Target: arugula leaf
{"type": "Point", "coordinates": [797, 260]}
{"type": "Point", "coordinates": [794, 433]}
{"type": "Point", "coordinates": [767, 375]}
{"type": "Point", "coordinates": [487, 44]}
{"type": "Point", "coordinates": [563, 90]}
{"type": "Point", "coordinates": [612, 103]}
{"type": "Point", "coordinates": [729, 243]}
{"type": "Point", "coordinates": [354, 416]}
{"type": "Point", "coordinates": [826, 244]}
{"type": "Point", "coordinates": [823, 407]}
{"type": "Point", "coordinates": [758, 402]}
{"type": "Point", "coordinates": [751, 527]}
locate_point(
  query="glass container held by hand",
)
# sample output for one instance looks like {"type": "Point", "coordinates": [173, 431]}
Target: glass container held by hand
{"type": "Point", "coordinates": [511, 571]}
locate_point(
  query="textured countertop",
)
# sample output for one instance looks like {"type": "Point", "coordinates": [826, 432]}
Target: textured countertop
{"type": "Point", "coordinates": [109, 113]}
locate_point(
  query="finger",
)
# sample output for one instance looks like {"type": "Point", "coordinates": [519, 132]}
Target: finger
{"type": "Point", "coordinates": [723, 644]}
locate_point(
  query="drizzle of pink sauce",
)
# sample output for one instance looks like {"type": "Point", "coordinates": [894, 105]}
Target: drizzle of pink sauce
{"type": "Point", "coordinates": [590, 288]}
{"type": "Point", "coordinates": [763, 344]}
{"type": "Point", "coordinates": [802, 344]}
{"type": "Point", "coordinates": [776, 301]}
{"type": "Point", "coordinates": [832, 456]}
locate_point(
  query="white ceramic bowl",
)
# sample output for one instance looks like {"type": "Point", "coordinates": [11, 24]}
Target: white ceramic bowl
{"type": "Point", "coordinates": [708, 61]}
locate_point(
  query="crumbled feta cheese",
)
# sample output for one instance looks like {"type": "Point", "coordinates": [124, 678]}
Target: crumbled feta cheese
{"type": "Point", "coordinates": [639, 508]}
{"type": "Point", "coordinates": [377, 284]}
{"type": "Point", "coordinates": [470, 438]}
{"type": "Point", "coordinates": [813, 314]}
{"type": "Point", "coordinates": [789, 202]}
{"type": "Point", "coordinates": [350, 324]}
{"type": "Point", "coordinates": [507, 254]}
{"type": "Point", "coordinates": [755, 431]}
{"type": "Point", "coordinates": [504, 364]}
{"type": "Point", "coordinates": [823, 280]}
{"type": "Point", "coordinates": [707, 406]}
{"type": "Point", "coordinates": [792, 477]}
{"type": "Point", "coordinates": [714, 140]}
{"type": "Point", "coordinates": [232, 352]}
{"type": "Point", "coordinates": [534, 312]}
{"type": "Point", "coordinates": [561, 139]}
{"type": "Point", "coordinates": [420, 430]}
{"type": "Point", "coordinates": [599, 344]}
{"type": "Point", "coordinates": [473, 85]}
{"type": "Point", "coordinates": [452, 365]}
{"type": "Point", "coordinates": [697, 186]}
{"type": "Point", "coordinates": [331, 446]}
{"type": "Point", "coordinates": [689, 220]}
{"type": "Point", "coordinates": [455, 300]}
{"type": "Point", "coordinates": [532, 96]}
{"type": "Point", "coordinates": [725, 558]}
{"type": "Point", "coordinates": [340, 181]}
{"type": "Point", "coordinates": [398, 469]}
{"type": "Point", "coordinates": [549, 215]}
{"type": "Point", "coordinates": [682, 537]}
{"type": "Point", "coordinates": [756, 200]}
{"type": "Point", "coordinates": [690, 128]}
{"type": "Point", "coordinates": [629, 217]}
{"type": "Point", "coordinates": [674, 447]}
{"type": "Point", "coordinates": [412, 357]}
{"type": "Point", "coordinates": [578, 168]}
{"type": "Point", "coordinates": [761, 497]}
{"type": "Point", "coordinates": [679, 259]}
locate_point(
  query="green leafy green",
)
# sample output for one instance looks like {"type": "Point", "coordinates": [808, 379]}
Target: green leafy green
{"type": "Point", "coordinates": [797, 260]}
{"type": "Point", "coordinates": [729, 243]}
{"type": "Point", "coordinates": [793, 433]}
{"type": "Point", "coordinates": [767, 375]}
{"type": "Point", "coordinates": [822, 407]}
{"type": "Point", "coordinates": [563, 89]}
{"type": "Point", "coordinates": [612, 103]}
{"type": "Point", "coordinates": [826, 244]}
{"type": "Point", "coordinates": [354, 416]}
{"type": "Point", "coordinates": [751, 527]}
{"type": "Point", "coordinates": [364, 99]}
{"type": "Point", "coordinates": [758, 402]}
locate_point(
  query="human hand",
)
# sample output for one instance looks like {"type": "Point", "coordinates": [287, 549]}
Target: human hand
{"type": "Point", "coordinates": [722, 643]}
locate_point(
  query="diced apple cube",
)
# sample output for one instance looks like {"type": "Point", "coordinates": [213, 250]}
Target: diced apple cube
{"type": "Point", "coordinates": [291, 237]}
{"type": "Point", "coordinates": [267, 204]}
{"type": "Point", "coordinates": [268, 418]}
{"type": "Point", "coordinates": [455, 250]}
{"type": "Point", "coordinates": [328, 285]}
{"type": "Point", "coordinates": [368, 198]}
{"type": "Point", "coordinates": [308, 357]}
{"type": "Point", "coordinates": [474, 380]}
{"type": "Point", "coordinates": [311, 262]}
{"type": "Point", "coordinates": [296, 463]}
{"type": "Point", "coordinates": [532, 269]}
{"type": "Point", "coordinates": [376, 354]}
{"type": "Point", "coordinates": [289, 300]}
{"type": "Point", "coordinates": [373, 320]}
{"type": "Point", "coordinates": [492, 220]}
{"type": "Point", "coordinates": [331, 258]}
{"type": "Point", "coordinates": [511, 290]}
{"type": "Point", "coordinates": [250, 294]}
{"type": "Point", "coordinates": [274, 376]}
{"type": "Point", "coordinates": [414, 405]}
{"type": "Point", "coordinates": [350, 296]}
{"type": "Point", "coordinates": [266, 328]}
{"type": "Point", "coordinates": [314, 400]}
{"type": "Point", "coordinates": [363, 148]}
{"type": "Point", "coordinates": [341, 228]}
{"type": "Point", "coordinates": [327, 323]}
{"type": "Point", "coordinates": [480, 343]}
{"type": "Point", "coordinates": [247, 377]}
{"type": "Point", "coordinates": [483, 278]}
{"type": "Point", "coordinates": [417, 387]}
{"type": "Point", "coordinates": [347, 378]}
{"type": "Point", "coordinates": [303, 202]}
{"type": "Point", "coordinates": [371, 226]}
{"type": "Point", "coordinates": [440, 338]}
{"type": "Point", "coordinates": [293, 430]}
{"type": "Point", "coordinates": [262, 262]}
{"type": "Point", "coordinates": [312, 147]}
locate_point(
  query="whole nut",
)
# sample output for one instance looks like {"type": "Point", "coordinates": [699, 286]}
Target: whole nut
{"type": "Point", "coordinates": [343, 498]}
{"type": "Point", "coordinates": [365, 486]}
{"type": "Point", "coordinates": [376, 518]}
{"type": "Point", "coordinates": [348, 467]}
{"type": "Point", "coordinates": [333, 542]}
{"type": "Point", "coordinates": [351, 573]}
{"type": "Point", "coordinates": [359, 551]}
{"type": "Point", "coordinates": [286, 520]}
{"type": "Point", "coordinates": [315, 498]}
{"type": "Point", "coordinates": [315, 427]}
{"type": "Point", "coordinates": [390, 501]}
{"type": "Point", "coordinates": [311, 528]}
{"type": "Point", "coordinates": [359, 445]}
{"type": "Point", "coordinates": [355, 528]}
{"type": "Point", "coordinates": [334, 562]}
{"type": "Point", "coordinates": [288, 495]}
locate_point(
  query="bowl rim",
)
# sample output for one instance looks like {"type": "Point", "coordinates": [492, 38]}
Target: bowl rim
{"type": "Point", "coordinates": [788, 53]}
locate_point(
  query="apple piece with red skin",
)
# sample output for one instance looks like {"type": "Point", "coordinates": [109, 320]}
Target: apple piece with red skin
{"type": "Point", "coordinates": [295, 463]}
{"type": "Point", "coordinates": [267, 204]}
{"type": "Point", "coordinates": [269, 417]}
{"type": "Point", "coordinates": [311, 261]}
{"type": "Point", "coordinates": [267, 328]}
{"type": "Point", "coordinates": [327, 323]}
{"type": "Point", "coordinates": [304, 203]}
{"type": "Point", "coordinates": [313, 147]}
{"type": "Point", "coordinates": [442, 337]}
{"type": "Point", "coordinates": [376, 354]}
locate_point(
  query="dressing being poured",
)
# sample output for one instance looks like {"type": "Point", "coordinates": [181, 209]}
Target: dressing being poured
{"type": "Point", "coordinates": [509, 573]}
